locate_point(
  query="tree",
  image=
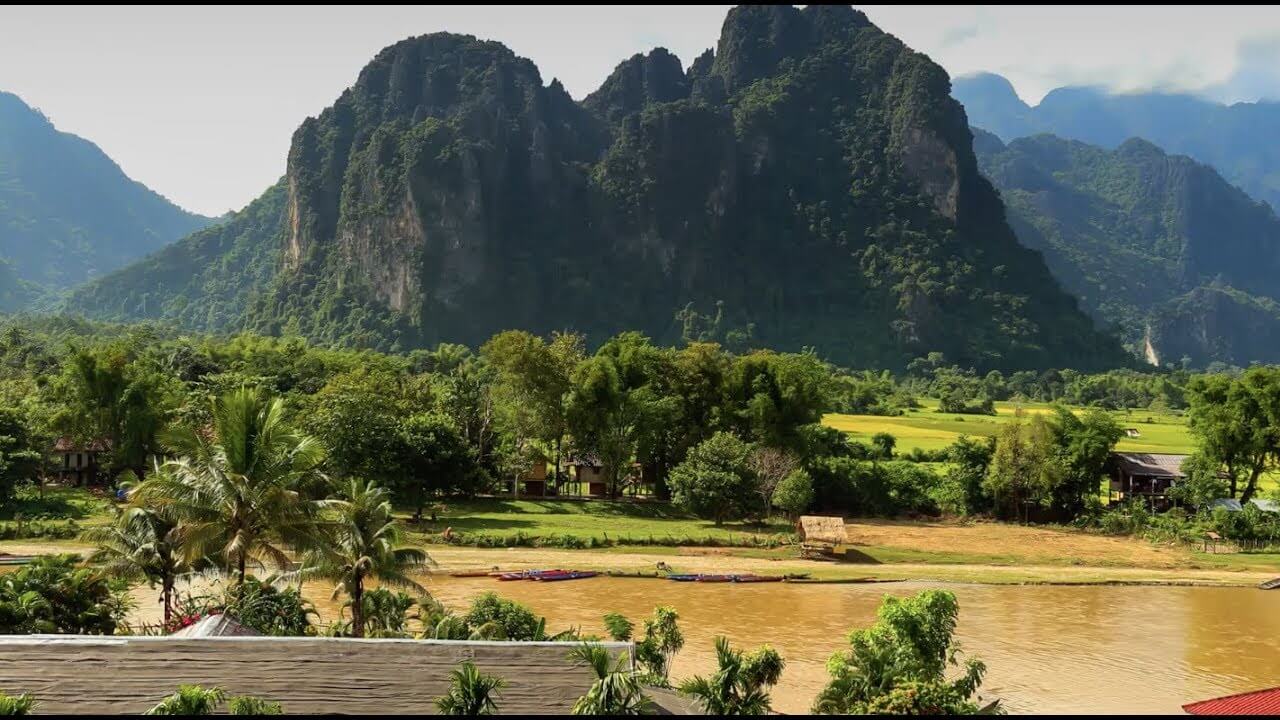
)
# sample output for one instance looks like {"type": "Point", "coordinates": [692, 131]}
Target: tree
{"type": "Point", "coordinates": [358, 542]}
{"type": "Point", "coordinates": [769, 466]}
{"type": "Point", "coordinates": [1084, 445]}
{"type": "Point", "coordinates": [241, 489]}
{"type": "Point", "coordinates": [654, 652]}
{"type": "Point", "coordinates": [535, 381]}
{"type": "Point", "coordinates": [190, 700]}
{"type": "Point", "coordinates": [471, 692]}
{"type": "Point", "coordinates": [967, 462]}
{"type": "Point", "coordinates": [1023, 471]}
{"type": "Point", "coordinates": [357, 416]}
{"type": "Point", "coordinates": [608, 417]}
{"type": "Point", "coordinates": [250, 705]}
{"type": "Point", "coordinates": [740, 685]}
{"type": "Point", "coordinates": [109, 394]}
{"type": "Point", "coordinates": [770, 396]}
{"type": "Point", "coordinates": [898, 664]}
{"type": "Point", "coordinates": [144, 543]}
{"type": "Point", "coordinates": [17, 704]}
{"type": "Point", "coordinates": [616, 690]}
{"type": "Point", "coordinates": [20, 456]}
{"type": "Point", "coordinates": [1237, 423]}
{"type": "Point", "coordinates": [884, 443]}
{"type": "Point", "coordinates": [795, 493]}
{"type": "Point", "coordinates": [53, 595]}
{"type": "Point", "coordinates": [715, 480]}
{"type": "Point", "coordinates": [435, 458]}
{"type": "Point", "coordinates": [513, 620]}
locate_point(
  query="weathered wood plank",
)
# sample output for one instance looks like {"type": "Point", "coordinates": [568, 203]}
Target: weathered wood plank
{"type": "Point", "coordinates": [305, 675]}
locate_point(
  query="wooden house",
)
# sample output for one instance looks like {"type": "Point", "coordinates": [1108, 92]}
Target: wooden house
{"type": "Point", "coordinates": [588, 474]}
{"type": "Point", "coordinates": [820, 535]}
{"type": "Point", "coordinates": [77, 463]}
{"type": "Point", "coordinates": [1149, 476]}
{"type": "Point", "coordinates": [534, 482]}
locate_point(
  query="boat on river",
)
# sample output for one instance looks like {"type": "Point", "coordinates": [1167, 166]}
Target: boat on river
{"type": "Point", "coordinates": [531, 574]}
{"type": "Point", "coordinates": [566, 575]}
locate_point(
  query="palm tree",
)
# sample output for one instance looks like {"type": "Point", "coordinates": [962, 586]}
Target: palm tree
{"type": "Point", "coordinates": [740, 684]}
{"type": "Point", "coordinates": [16, 704]}
{"type": "Point", "coordinates": [471, 692]}
{"type": "Point", "coordinates": [189, 700]}
{"type": "Point", "coordinates": [358, 542]}
{"type": "Point", "coordinates": [616, 691]}
{"type": "Point", "coordinates": [239, 489]}
{"type": "Point", "coordinates": [143, 543]}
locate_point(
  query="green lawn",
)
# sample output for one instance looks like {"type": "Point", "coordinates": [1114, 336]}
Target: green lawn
{"type": "Point", "coordinates": [617, 521]}
{"type": "Point", "coordinates": [927, 429]}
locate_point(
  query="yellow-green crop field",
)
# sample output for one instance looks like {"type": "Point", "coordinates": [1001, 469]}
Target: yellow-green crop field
{"type": "Point", "coordinates": [927, 429]}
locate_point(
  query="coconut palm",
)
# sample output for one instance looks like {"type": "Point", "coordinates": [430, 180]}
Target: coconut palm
{"type": "Point", "coordinates": [471, 692]}
{"type": "Point", "coordinates": [240, 489]}
{"type": "Point", "coordinates": [741, 682]}
{"type": "Point", "coordinates": [143, 544]}
{"type": "Point", "coordinates": [358, 542]}
{"type": "Point", "coordinates": [616, 691]}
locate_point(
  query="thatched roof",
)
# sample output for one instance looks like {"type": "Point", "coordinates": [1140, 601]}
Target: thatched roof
{"type": "Point", "coordinates": [822, 528]}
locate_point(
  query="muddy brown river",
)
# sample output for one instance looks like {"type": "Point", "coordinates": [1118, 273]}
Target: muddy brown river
{"type": "Point", "coordinates": [1080, 649]}
{"type": "Point", "coordinates": [1048, 649]}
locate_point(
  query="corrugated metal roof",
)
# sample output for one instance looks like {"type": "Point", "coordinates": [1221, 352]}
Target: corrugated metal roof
{"type": "Point", "coordinates": [1154, 464]}
{"type": "Point", "coordinates": [1259, 702]}
{"type": "Point", "coordinates": [216, 626]}
{"type": "Point", "coordinates": [1266, 505]}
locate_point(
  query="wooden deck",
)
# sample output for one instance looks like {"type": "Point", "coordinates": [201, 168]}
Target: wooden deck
{"type": "Point", "coordinates": [113, 675]}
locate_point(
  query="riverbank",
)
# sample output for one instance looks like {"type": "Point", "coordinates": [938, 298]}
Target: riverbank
{"type": "Point", "coordinates": [880, 551]}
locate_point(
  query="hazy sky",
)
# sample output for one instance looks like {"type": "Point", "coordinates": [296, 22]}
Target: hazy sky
{"type": "Point", "coordinates": [199, 103]}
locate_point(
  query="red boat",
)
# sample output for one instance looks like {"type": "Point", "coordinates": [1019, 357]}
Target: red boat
{"type": "Point", "coordinates": [757, 578]}
{"type": "Point", "coordinates": [568, 575]}
{"type": "Point", "coordinates": [715, 578]}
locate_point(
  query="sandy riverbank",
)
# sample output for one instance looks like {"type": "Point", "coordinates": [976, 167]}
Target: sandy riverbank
{"type": "Point", "coordinates": [718, 560]}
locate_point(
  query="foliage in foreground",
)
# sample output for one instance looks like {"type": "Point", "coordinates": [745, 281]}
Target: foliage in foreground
{"type": "Point", "coordinates": [197, 700]}
{"type": "Point", "coordinates": [898, 665]}
{"type": "Point", "coordinates": [740, 685]}
{"type": "Point", "coordinates": [471, 692]}
{"type": "Point", "coordinates": [17, 704]}
{"type": "Point", "coordinates": [54, 595]}
{"type": "Point", "coordinates": [616, 690]}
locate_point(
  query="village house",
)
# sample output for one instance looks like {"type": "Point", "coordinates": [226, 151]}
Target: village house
{"type": "Point", "coordinates": [77, 463]}
{"type": "Point", "coordinates": [1148, 476]}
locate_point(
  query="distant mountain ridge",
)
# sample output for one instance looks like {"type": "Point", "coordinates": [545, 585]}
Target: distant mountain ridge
{"type": "Point", "coordinates": [1238, 140]}
{"type": "Point", "coordinates": [1160, 245]}
{"type": "Point", "coordinates": [67, 211]}
{"type": "Point", "coordinates": [809, 183]}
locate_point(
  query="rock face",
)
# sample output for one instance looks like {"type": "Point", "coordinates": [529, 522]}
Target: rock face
{"type": "Point", "coordinates": [808, 183]}
{"type": "Point", "coordinates": [1160, 245]}
{"type": "Point", "coordinates": [67, 211]}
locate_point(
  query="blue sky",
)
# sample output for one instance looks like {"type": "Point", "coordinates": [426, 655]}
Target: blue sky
{"type": "Point", "coordinates": [200, 103]}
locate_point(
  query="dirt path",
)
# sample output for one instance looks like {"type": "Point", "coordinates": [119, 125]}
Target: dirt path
{"type": "Point", "coordinates": [1029, 545]}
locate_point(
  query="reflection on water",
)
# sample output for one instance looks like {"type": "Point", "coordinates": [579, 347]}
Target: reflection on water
{"type": "Point", "coordinates": [1048, 649]}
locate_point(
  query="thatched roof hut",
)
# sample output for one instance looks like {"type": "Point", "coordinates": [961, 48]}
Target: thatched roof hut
{"type": "Point", "coordinates": [822, 529]}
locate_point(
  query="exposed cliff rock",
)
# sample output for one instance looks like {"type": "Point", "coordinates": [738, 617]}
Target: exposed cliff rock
{"type": "Point", "coordinates": [810, 182]}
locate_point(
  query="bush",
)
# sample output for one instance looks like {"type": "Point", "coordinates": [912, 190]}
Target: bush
{"type": "Point", "coordinates": [517, 621]}
{"type": "Point", "coordinates": [794, 493]}
{"type": "Point", "coordinates": [54, 595]}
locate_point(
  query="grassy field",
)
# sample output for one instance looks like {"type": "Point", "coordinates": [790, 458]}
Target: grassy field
{"type": "Point", "coordinates": [617, 521]}
{"type": "Point", "coordinates": [927, 429]}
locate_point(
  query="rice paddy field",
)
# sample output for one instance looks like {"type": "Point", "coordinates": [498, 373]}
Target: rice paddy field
{"type": "Point", "coordinates": [927, 429]}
